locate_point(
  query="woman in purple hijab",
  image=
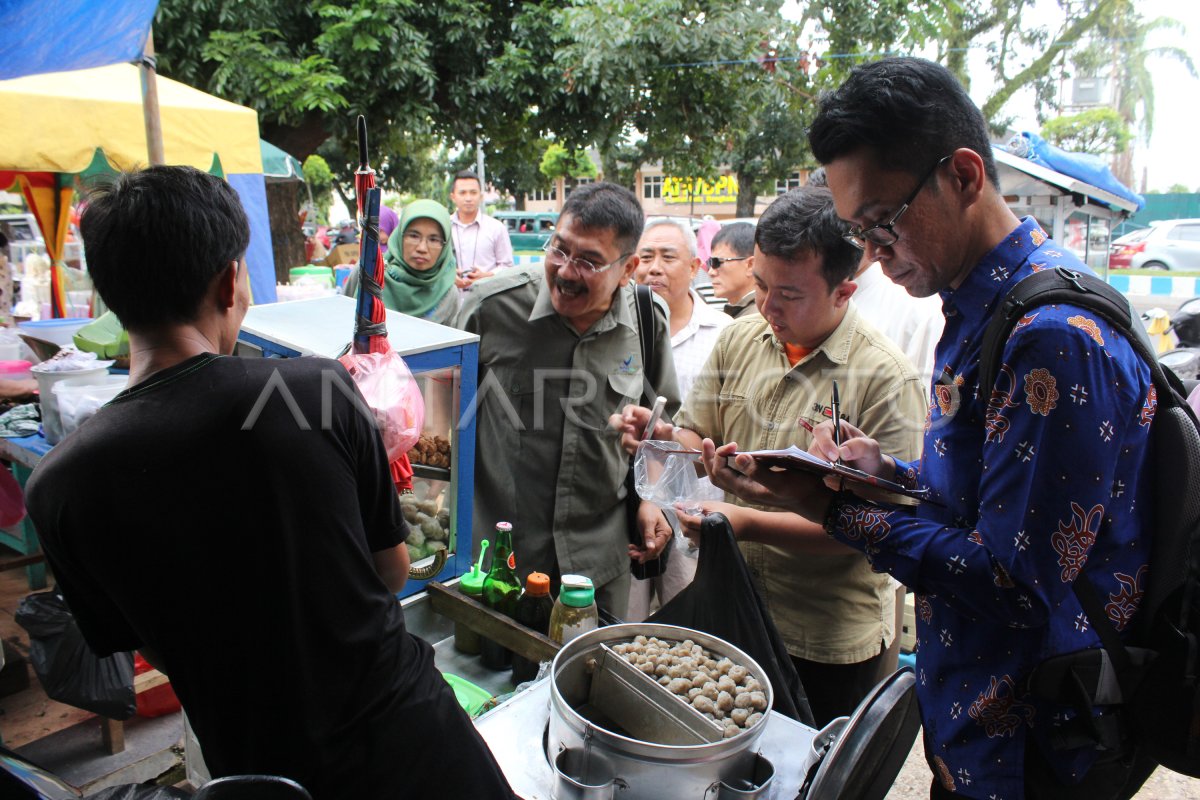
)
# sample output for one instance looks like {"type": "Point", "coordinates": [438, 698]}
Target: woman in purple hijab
{"type": "Point", "coordinates": [388, 220]}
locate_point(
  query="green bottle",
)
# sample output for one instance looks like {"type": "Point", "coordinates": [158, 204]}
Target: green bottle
{"type": "Point", "coordinates": [501, 591]}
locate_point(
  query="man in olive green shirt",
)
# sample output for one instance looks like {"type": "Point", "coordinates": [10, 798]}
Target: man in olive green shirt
{"type": "Point", "coordinates": [767, 373]}
{"type": "Point", "coordinates": [558, 353]}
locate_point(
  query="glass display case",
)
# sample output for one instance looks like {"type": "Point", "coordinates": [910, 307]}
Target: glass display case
{"type": "Point", "coordinates": [445, 362]}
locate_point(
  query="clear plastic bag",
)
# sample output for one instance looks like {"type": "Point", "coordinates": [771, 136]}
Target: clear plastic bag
{"type": "Point", "coordinates": [393, 395]}
{"type": "Point", "coordinates": [666, 475]}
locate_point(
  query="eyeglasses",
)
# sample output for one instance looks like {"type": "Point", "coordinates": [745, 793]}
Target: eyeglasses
{"type": "Point", "coordinates": [885, 235]}
{"type": "Point", "coordinates": [715, 263]}
{"type": "Point", "coordinates": [415, 239]}
{"type": "Point", "coordinates": [557, 259]}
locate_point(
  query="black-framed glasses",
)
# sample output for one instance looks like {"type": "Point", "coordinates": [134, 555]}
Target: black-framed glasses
{"type": "Point", "coordinates": [715, 263]}
{"type": "Point", "coordinates": [885, 235]}
{"type": "Point", "coordinates": [415, 239]}
{"type": "Point", "coordinates": [557, 259]}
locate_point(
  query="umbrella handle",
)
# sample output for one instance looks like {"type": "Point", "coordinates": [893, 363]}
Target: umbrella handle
{"type": "Point", "coordinates": [362, 144]}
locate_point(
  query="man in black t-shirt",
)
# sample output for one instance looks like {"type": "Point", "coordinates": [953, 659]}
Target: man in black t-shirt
{"type": "Point", "coordinates": [234, 520]}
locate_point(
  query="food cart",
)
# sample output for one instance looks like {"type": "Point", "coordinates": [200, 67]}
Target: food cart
{"type": "Point", "coordinates": [546, 749]}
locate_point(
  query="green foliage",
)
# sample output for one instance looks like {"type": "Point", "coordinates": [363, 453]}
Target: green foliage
{"type": "Point", "coordinates": [558, 162]}
{"type": "Point", "coordinates": [695, 84]}
{"type": "Point", "coordinates": [1178, 188]}
{"type": "Point", "coordinates": [422, 73]}
{"type": "Point", "coordinates": [643, 88]}
{"type": "Point", "coordinates": [320, 183]}
{"type": "Point", "coordinates": [1099, 131]}
{"type": "Point", "coordinates": [253, 64]}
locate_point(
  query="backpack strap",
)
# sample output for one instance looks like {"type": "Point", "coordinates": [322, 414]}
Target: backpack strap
{"type": "Point", "coordinates": [644, 306]}
{"type": "Point", "coordinates": [1063, 285]}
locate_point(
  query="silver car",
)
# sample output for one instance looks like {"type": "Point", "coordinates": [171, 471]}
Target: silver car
{"type": "Point", "coordinates": [1168, 244]}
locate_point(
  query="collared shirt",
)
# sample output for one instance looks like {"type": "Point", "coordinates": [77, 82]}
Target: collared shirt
{"type": "Point", "coordinates": [546, 460]}
{"type": "Point", "coordinates": [914, 323]}
{"type": "Point", "coordinates": [742, 307]}
{"type": "Point", "coordinates": [833, 609]}
{"type": "Point", "coordinates": [695, 341]}
{"type": "Point", "coordinates": [483, 244]}
{"type": "Point", "coordinates": [1040, 475]}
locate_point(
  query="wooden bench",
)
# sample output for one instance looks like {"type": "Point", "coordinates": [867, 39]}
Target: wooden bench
{"type": "Point", "coordinates": [112, 731]}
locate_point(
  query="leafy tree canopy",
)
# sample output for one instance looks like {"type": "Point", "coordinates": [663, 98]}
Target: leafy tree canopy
{"type": "Point", "coordinates": [1099, 131]}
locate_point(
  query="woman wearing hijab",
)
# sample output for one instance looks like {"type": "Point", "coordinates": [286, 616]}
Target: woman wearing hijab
{"type": "Point", "coordinates": [419, 267]}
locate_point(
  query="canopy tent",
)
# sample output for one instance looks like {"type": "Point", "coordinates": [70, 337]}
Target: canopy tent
{"type": "Point", "coordinates": [280, 164]}
{"type": "Point", "coordinates": [64, 124]}
{"type": "Point", "coordinates": [36, 36]}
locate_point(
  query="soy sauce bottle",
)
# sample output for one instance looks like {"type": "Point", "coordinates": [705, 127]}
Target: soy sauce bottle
{"type": "Point", "coordinates": [533, 611]}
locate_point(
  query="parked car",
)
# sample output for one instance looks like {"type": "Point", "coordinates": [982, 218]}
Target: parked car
{"type": "Point", "coordinates": [528, 230]}
{"type": "Point", "coordinates": [1168, 244]}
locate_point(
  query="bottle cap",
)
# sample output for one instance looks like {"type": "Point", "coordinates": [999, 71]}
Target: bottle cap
{"type": "Point", "coordinates": [577, 591]}
{"type": "Point", "coordinates": [504, 526]}
{"type": "Point", "coordinates": [538, 584]}
{"type": "Point", "coordinates": [472, 580]}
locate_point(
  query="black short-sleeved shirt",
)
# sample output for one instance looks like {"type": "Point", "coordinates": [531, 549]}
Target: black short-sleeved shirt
{"type": "Point", "coordinates": [224, 512]}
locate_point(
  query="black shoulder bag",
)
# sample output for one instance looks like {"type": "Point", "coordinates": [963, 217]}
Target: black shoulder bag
{"type": "Point", "coordinates": [645, 324]}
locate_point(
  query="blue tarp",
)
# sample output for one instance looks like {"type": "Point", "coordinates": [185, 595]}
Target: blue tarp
{"type": "Point", "coordinates": [38, 36]}
{"type": "Point", "coordinates": [1081, 166]}
{"type": "Point", "coordinates": [252, 191]}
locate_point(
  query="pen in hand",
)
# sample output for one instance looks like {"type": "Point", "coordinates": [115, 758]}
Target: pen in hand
{"type": "Point", "coordinates": [835, 412]}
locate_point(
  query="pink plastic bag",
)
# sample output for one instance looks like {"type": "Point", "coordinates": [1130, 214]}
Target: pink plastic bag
{"type": "Point", "coordinates": [393, 395]}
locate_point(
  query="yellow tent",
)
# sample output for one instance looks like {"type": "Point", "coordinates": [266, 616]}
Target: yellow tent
{"type": "Point", "coordinates": [56, 122]}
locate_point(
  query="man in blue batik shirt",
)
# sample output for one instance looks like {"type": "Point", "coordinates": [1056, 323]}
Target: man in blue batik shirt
{"type": "Point", "coordinates": [1036, 480]}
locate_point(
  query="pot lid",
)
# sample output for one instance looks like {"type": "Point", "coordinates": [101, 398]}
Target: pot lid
{"type": "Point", "coordinates": [866, 754]}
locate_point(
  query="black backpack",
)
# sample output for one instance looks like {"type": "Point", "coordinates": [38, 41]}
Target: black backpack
{"type": "Point", "coordinates": [1153, 682]}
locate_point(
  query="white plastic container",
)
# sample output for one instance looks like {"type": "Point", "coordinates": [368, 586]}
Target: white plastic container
{"type": "Point", "coordinates": [51, 422]}
{"type": "Point", "coordinates": [78, 399]}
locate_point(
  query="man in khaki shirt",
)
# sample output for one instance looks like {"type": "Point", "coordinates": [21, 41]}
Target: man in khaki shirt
{"type": "Point", "coordinates": [558, 353]}
{"type": "Point", "coordinates": [766, 374]}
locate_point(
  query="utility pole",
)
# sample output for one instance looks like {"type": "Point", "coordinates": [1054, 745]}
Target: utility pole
{"type": "Point", "coordinates": [479, 161]}
{"type": "Point", "coordinates": [154, 140]}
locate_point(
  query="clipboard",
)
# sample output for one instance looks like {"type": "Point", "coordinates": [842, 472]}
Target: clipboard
{"type": "Point", "coordinates": [865, 485]}
{"type": "Point", "coordinates": [862, 483]}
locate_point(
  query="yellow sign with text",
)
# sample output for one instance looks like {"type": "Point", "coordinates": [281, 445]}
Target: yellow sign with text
{"type": "Point", "coordinates": [687, 190]}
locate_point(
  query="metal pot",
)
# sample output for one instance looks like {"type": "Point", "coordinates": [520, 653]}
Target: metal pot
{"type": "Point", "coordinates": [700, 770]}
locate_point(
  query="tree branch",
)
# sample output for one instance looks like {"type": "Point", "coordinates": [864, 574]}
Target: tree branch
{"type": "Point", "coordinates": [1039, 66]}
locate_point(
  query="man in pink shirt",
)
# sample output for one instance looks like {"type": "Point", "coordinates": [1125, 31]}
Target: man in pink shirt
{"type": "Point", "coordinates": [480, 242]}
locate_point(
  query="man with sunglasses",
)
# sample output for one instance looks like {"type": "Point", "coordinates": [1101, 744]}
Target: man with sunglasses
{"type": "Point", "coordinates": [731, 267]}
{"type": "Point", "coordinates": [1038, 481]}
{"type": "Point", "coordinates": [559, 352]}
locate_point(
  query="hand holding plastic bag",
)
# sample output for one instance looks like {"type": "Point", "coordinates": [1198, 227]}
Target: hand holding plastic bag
{"type": "Point", "coordinates": [665, 474]}
{"type": "Point", "coordinates": [393, 395]}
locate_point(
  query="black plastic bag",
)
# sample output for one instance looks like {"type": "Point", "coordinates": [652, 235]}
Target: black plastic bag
{"type": "Point", "coordinates": [724, 602]}
{"type": "Point", "coordinates": [66, 666]}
